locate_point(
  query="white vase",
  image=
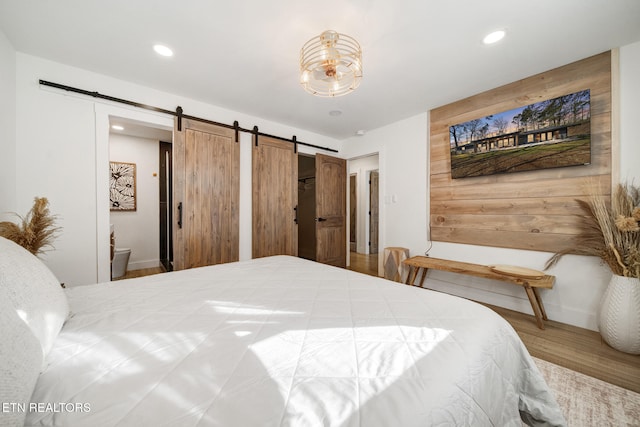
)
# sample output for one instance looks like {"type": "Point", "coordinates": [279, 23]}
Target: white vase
{"type": "Point", "coordinates": [619, 320]}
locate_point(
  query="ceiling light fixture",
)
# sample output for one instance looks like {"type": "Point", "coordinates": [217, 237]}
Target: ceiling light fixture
{"type": "Point", "coordinates": [330, 64]}
{"type": "Point", "coordinates": [117, 127]}
{"type": "Point", "coordinates": [493, 37]}
{"type": "Point", "coordinates": [162, 50]}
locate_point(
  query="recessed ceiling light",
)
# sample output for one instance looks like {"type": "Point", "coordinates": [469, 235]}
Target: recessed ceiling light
{"type": "Point", "coordinates": [360, 132]}
{"type": "Point", "coordinates": [163, 50]}
{"type": "Point", "coordinates": [335, 113]}
{"type": "Point", "coordinates": [493, 37]}
{"type": "Point", "coordinates": [117, 127]}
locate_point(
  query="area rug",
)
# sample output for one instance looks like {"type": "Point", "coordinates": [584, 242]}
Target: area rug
{"type": "Point", "coordinates": [588, 401]}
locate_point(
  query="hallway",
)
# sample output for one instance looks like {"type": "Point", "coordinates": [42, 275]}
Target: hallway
{"type": "Point", "coordinates": [363, 263]}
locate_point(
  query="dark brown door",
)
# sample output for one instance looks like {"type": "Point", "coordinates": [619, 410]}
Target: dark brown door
{"type": "Point", "coordinates": [353, 212]}
{"type": "Point", "coordinates": [274, 200]}
{"type": "Point", "coordinates": [331, 210]}
{"type": "Point", "coordinates": [206, 195]}
{"type": "Point", "coordinates": [166, 223]}
{"type": "Point", "coordinates": [373, 212]}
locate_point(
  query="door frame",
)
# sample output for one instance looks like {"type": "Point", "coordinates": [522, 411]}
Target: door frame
{"type": "Point", "coordinates": [103, 115]}
{"type": "Point", "coordinates": [382, 202]}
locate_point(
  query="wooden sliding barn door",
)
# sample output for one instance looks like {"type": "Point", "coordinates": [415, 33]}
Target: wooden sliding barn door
{"type": "Point", "coordinates": [331, 210]}
{"type": "Point", "coordinates": [206, 195]}
{"type": "Point", "coordinates": [275, 198]}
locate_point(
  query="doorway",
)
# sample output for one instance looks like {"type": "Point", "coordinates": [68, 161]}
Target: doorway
{"type": "Point", "coordinates": [374, 179]}
{"type": "Point", "coordinates": [364, 186]}
{"type": "Point", "coordinates": [306, 209]}
{"type": "Point", "coordinates": [105, 116]}
{"type": "Point", "coordinates": [353, 200]}
{"type": "Point", "coordinates": [142, 232]}
{"type": "Point", "coordinates": [322, 209]}
{"type": "Point", "coordinates": [165, 200]}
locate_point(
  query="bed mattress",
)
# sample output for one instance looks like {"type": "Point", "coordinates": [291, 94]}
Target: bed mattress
{"type": "Point", "coordinates": [282, 341]}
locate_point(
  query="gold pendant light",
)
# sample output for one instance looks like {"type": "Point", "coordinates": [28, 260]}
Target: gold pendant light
{"type": "Point", "coordinates": [330, 64]}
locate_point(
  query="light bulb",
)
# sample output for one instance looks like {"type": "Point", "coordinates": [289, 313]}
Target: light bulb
{"type": "Point", "coordinates": [493, 37]}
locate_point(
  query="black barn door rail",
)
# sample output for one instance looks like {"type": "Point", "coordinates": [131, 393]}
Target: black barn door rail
{"type": "Point", "coordinates": [178, 113]}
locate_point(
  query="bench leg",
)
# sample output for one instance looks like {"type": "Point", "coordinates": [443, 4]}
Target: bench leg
{"type": "Point", "coordinates": [537, 310]}
{"type": "Point", "coordinates": [424, 274]}
{"type": "Point", "coordinates": [537, 294]}
{"type": "Point", "coordinates": [411, 277]}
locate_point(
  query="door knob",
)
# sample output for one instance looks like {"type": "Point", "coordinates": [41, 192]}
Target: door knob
{"type": "Point", "coordinates": [320, 219]}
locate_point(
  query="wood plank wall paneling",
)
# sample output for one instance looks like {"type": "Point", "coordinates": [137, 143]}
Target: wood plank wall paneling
{"type": "Point", "coordinates": [524, 210]}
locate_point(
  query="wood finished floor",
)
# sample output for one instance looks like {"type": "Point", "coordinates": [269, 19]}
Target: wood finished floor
{"type": "Point", "coordinates": [367, 264]}
{"type": "Point", "coordinates": [141, 273]}
{"type": "Point", "coordinates": [574, 348]}
{"type": "Point", "coordinates": [581, 350]}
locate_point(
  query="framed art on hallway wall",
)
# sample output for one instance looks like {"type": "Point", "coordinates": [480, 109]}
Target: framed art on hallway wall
{"type": "Point", "coordinates": [122, 186]}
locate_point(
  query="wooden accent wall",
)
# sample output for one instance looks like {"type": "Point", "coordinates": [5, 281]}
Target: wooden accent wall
{"type": "Point", "coordinates": [523, 210]}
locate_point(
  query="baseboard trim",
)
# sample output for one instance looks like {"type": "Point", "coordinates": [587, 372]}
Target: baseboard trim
{"type": "Point", "coordinates": [139, 265]}
{"type": "Point", "coordinates": [509, 297]}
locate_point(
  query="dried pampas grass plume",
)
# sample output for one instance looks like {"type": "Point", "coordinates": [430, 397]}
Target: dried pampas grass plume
{"type": "Point", "coordinates": [36, 230]}
{"type": "Point", "coordinates": [609, 229]}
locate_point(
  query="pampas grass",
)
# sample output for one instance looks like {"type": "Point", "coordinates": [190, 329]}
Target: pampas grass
{"type": "Point", "coordinates": [610, 232]}
{"type": "Point", "coordinates": [36, 230]}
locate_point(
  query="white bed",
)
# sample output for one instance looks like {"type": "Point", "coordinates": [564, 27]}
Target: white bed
{"type": "Point", "coordinates": [282, 341]}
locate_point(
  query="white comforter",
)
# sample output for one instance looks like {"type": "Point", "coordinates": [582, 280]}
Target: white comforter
{"type": "Point", "coordinates": [281, 341]}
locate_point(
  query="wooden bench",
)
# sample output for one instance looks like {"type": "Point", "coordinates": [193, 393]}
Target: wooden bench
{"type": "Point", "coordinates": [530, 280]}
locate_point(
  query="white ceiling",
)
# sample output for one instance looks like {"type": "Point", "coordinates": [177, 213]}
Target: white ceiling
{"type": "Point", "coordinates": [243, 54]}
{"type": "Point", "coordinates": [140, 130]}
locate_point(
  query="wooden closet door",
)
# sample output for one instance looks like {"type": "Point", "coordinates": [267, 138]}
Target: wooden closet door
{"type": "Point", "coordinates": [331, 210]}
{"type": "Point", "coordinates": [275, 198]}
{"type": "Point", "coordinates": [206, 195]}
{"type": "Point", "coordinates": [374, 211]}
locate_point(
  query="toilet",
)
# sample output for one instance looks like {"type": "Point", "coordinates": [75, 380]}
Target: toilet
{"type": "Point", "coordinates": [120, 262]}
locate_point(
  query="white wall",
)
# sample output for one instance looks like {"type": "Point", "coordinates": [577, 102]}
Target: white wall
{"type": "Point", "coordinates": [139, 230]}
{"type": "Point", "coordinates": [630, 112]}
{"type": "Point", "coordinates": [62, 136]}
{"type": "Point", "coordinates": [55, 158]}
{"type": "Point", "coordinates": [580, 281]}
{"type": "Point", "coordinates": [362, 167]}
{"type": "Point", "coordinates": [402, 162]}
{"type": "Point", "coordinates": [7, 129]}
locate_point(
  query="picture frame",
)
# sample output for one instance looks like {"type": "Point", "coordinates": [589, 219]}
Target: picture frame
{"type": "Point", "coordinates": [547, 134]}
{"type": "Point", "coordinates": [122, 186]}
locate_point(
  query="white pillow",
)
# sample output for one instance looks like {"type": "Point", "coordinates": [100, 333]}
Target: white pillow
{"type": "Point", "coordinates": [33, 291]}
{"type": "Point", "coordinates": [20, 362]}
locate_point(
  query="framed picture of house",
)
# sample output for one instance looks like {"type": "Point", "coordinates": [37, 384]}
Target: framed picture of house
{"type": "Point", "coordinates": [548, 134]}
{"type": "Point", "coordinates": [122, 186]}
